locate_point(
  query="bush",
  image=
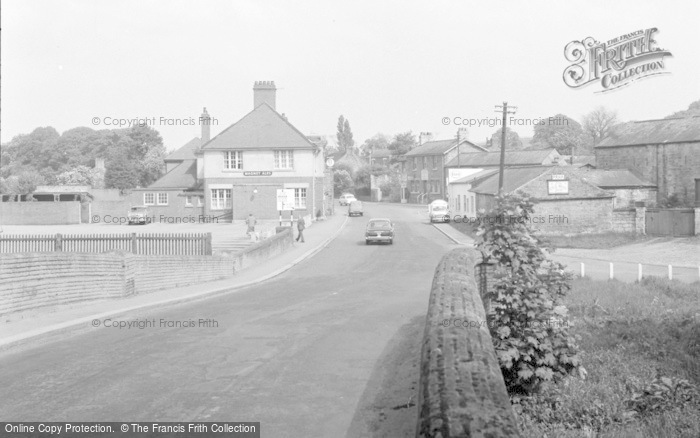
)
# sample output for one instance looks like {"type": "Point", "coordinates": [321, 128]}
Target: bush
{"type": "Point", "coordinates": [528, 321]}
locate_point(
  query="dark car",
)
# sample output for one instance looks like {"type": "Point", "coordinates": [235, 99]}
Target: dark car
{"type": "Point", "coordinates": [379, 230]}
{"type": "Point", "coordinates": [355, 209]}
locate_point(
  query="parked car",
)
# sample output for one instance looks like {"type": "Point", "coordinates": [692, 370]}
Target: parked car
{"type": "Point", "coordinates": [138, 215]}
{"type": "Point", "coordinates": [379, 230]}
{"type": "Point", "coordinates": [355, 209]}
{"type": "Point", "coordinates": [439, 211]}
{"type": "Point", "coordinates": [347, 198]}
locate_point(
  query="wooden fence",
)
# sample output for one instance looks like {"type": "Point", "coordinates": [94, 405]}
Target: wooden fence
{"type": "Point", "coordinates": [144, 244]}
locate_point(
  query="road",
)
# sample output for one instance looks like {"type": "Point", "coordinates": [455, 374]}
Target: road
{"type": "Point", "coordinates": [328, 349]}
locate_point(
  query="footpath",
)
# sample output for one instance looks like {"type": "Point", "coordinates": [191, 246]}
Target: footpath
{"type": "Point", "coordinates": [17, 329]}
{"type": "Point", "coordinates": [596, 263]}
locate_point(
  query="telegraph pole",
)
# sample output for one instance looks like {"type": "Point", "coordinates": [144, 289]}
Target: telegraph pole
{"type": "Point", "coordinates": [505, 110]}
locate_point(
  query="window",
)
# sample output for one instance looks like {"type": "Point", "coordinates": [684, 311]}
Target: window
{"type": "Point", "coordinates": [425, 162]}
{"type": "Point", "coordinates": [415, 163]}
{"type": "Point", "coordinates": [220, 199]}
{"type": "Point", "coordinates": [284, 160]}
{"type": "Point", "coordinates": [188, 201]}
{"type": "Point", "coordinates": [458, 208]}
{"type": "Point", "coordinates": [162, 199]}
{"type": "Point", "coordinates": [233, 160]}
{"type": "Point", "coordinates": [149, 199]}
{"type": "Point", "coordinates": [434, 162]}
{"type": "Point", "coordinates": [300, 198]}
{"type": "Point", "coordinates": [200, 201]}
{"type": "Point", "coordinates": [466, 204]}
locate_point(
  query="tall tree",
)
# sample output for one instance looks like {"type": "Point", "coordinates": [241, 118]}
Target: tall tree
{"type": "Point", "coordinates": [344, 135]}
{"type": "Point", "coordinates": [513, 142]}
{"type": "Point", "coordinates": [562, 133]}
{"type": "Point", "coordinates": [377, 142]}
{"type": "Point", "coordinates": [598, 123]}
{"type": "Point", "coordinates": [402, 143]}
{"type": "Point", "coordinates": [693, 110]}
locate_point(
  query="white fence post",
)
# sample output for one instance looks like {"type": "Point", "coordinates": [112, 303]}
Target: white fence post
{"type": "Point", "coordinates": [612, 272]}
{"type": "Point", "coordinates": [670, 272]}
{"type": "Point", "coordinates": [583, 270]}
{"type": "Point", "coordinates": [639, 272]}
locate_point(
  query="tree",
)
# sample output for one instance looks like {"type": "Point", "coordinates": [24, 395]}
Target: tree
{"type": "Point", "coordinates": [693, 110]}
{"type": "Point", "coordinates": [344, 135]}
{"type": "Point", "coordinates": [378, 142]}
{"type": "Point", "coordinates": [342, 182]}
{"type": "Point", "coordinates": [562, 133]}
{"type": "Point", "coordinates": [402, 143]}
{"type": "Point", "coordinates": [598, 123]}
{"type": "Point", "coordinates": [121, 174]}
{"type": "Point", "coordinates": [81, 175]}
{"type": "Point", "coordinates": [513, 142]}
{"type": "Point", "coordinates": [22, 184]}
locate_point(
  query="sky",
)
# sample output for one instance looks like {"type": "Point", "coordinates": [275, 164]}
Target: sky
{"type": "Point", "coordinates": [387, 66]}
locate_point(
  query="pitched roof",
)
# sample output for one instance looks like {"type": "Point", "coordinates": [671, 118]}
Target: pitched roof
{"type": "Point", "coordinates": [262, 128]}
{"type": "Point", "coordinates": [513, 179]}
{"type": "Point", "coordinates": [614, 178]}
{"type": "Point", "coordinates": [676, 130]}
{"type": "Point", "coordinates": [381, 153]}
{"type": "Point", "coordinates": [185, 152]}
{"type": "Point", "coordinates": [535, 157]}
{"type": "Point", "coordinates": [183, 176]}
{"type": "Point", "coordinates": [475, 176]}
{"type": "Point", "coordinates": [438, 147]}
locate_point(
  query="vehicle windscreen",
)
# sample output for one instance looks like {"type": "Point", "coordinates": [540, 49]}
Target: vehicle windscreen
{"type": "Point", "coordinates": [380, 224]}
{"type": "Point", "coordinates": [440, 208]}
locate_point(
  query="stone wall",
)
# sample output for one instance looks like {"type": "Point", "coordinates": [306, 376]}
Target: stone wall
{"type": "Point", "coordinates": [461, 390]}
{"type": "Point", "coordinates": [40, 213]}
{"type": "Point", "coordinates": [623, 220]}
{"type": "Point", "coordinates": [593, 215]}
{"type": "Point", "coordinates": [32, 280]}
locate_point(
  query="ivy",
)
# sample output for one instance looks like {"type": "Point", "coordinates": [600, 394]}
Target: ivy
{"type": "Point", "coordinates": [528, 321]}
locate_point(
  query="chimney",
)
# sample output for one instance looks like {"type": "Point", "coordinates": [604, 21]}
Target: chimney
{"type": "Point", "coordinates": [99, 164]}
{"type": "Point", "coordinates": [264, 92]}
{"type": "Point", "coordinates": [425, 137]}
{"type": "Point", "coordinates": [205, 121]}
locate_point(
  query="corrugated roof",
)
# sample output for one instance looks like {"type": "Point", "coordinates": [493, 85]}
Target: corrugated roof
{"type": "Point", "coordinates": [186, 152]}
{"type": "Point", "coordinates": [513, 158]}
{"type": "Point", "coordinates": [438, 147]}
{"type": "Point", "coordinates": [614, 178]}
{"type": "Point", "coordinates": [184, 176]}
{"type": "Point", "coordinates": [676, 130]}
{"type": "Point", "coordinates": [262, 128]}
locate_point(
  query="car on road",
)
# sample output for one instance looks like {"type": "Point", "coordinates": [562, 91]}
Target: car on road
{"type": "Point", "coordinates": [355, 209]}
{"type": "Point", "coordinates": [379, 230]}
{"type": "Point", "coordinates": [347, 198]}
{"type": "Point", "coordinates": [439, 211]}
{"type": "Point", "coordinates": [138, 215]}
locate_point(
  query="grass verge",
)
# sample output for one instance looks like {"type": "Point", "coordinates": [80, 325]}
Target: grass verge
{"type": "Point", "coordinates": [595, 241]}
{"type": "Point", "coordinates": [640, 346]}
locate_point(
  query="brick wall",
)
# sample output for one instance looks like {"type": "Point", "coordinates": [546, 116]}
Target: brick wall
{"type": "Point", "coordinates": [461, 389]}
{"type": "Point", "coordinates": [40, 213]}
{"type": "Point", "coordinates": [32, 280]}
{"type": "Point", "coordinates": [109, 211]}
{"type": "Point", "coordinates": [672, 167]}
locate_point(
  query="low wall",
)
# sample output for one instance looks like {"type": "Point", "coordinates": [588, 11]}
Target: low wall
{"type": "Point", "coordinates": [40, 213]}
{"type": "Point", "coordinates": [33, 280]}
{"type": "Point", "coordinates": [461, 390]}
{"type": "Point", "coordinates": [623, 220]}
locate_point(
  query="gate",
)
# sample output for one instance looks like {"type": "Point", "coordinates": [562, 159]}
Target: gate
{"type": "Point", "coordinates": [670, 222]}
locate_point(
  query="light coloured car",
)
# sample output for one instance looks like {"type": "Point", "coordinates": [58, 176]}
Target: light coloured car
{"type": "Point", "coordinates": [138, 215]}
{"type": "Point", "coordinates": [379, 230]}
{"type": "Point", "coordinates": [355, 209]}
{"type": "Point", "coordinates": [347, 198]}
{"type": "Point", "coordinates": [439, 211]}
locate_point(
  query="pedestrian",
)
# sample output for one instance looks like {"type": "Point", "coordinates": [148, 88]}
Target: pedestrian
{"type": "Point", "coordinates": [300, 226]}
{"type": "Point", "coordinates": [251, 221]}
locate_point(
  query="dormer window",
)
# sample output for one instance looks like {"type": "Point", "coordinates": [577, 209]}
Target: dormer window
{"type": "Point", "coordinates": [233, 160]}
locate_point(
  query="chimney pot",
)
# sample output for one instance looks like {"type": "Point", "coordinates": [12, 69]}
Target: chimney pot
{"type": "Point", "coordinates": [265, 92]}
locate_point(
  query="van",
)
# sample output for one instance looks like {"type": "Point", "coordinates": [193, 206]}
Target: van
{"type": "Point", "coordinates": [439, 211]}
{"type": "Point", "coordinates": [355, 209]}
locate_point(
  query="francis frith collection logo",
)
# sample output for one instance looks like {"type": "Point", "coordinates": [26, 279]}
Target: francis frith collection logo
{"type": "Point", "coordinates": [615, 63]}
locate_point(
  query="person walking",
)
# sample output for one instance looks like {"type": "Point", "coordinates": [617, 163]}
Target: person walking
{"type": "Point", "coordinates": [251, 221]}
{"type": "Point", "coordinates": [301, 224]}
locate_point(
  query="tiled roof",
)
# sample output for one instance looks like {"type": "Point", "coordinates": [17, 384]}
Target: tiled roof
{"type": "Point", "coordinates": [262, 128]}
{"type": "Point", "coordinates": [438, 147]}
{"type": "Point", "coordinates": [676, 130]}
{"type": "Point", "coordinates": [535, 157]}
{"type": "Point", "coordinates": [513, 179]}
{"type": "Point", "coordinates": [186, 152]}
{"type": "Point", "coordinates": [184, 176]}
{"type": "Point", "coordinates": [614, 178]}
{"type": "Point", "coordinates": [475, 176]}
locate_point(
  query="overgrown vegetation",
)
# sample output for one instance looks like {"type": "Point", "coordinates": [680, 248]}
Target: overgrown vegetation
{"type": "Point", "coordinates": [528, 321]}
{"type": "Point", "coordinates": [641, 346]}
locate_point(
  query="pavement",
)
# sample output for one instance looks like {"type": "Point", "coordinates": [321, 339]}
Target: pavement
{"type": "Point", "coordinates": [21, 327]}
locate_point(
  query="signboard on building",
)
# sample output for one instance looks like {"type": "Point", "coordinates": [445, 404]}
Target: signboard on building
{"type": "Point", "coordinates": [258, 173]}
{"type": "Point", "coordinates": [424, 175]}
{"type": "Point", "coordinates": [558, 187]}
{"type": "Point", "coordinates": [455, 174]}
{"type": "Point", "coordinates": [285, 199]}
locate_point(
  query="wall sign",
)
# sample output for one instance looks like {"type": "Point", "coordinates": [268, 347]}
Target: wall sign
{"type": "Point", "coordinates": [558, 187]}
{"type": "Point", "coordinates": [258, 173]}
